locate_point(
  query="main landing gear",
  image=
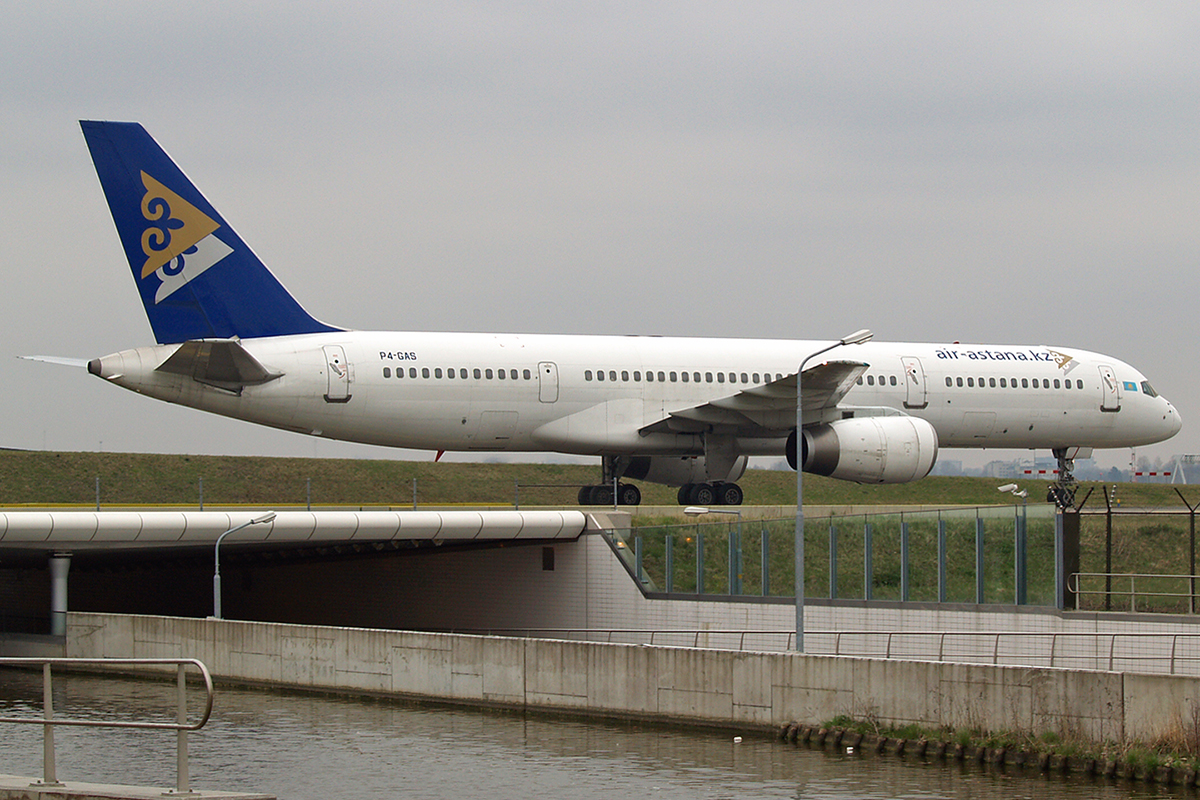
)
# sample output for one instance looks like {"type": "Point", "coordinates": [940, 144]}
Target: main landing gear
{"type": "Point", "coordinates": [710, 494]}
{"type": "Point", "coordinates": [602, 495]}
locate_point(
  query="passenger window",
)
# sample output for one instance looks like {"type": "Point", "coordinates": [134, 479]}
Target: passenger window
{"type": "Point", "coordinates": [612, 375]}
{"type": "Point", "coordinates": [587, 376]}
{"type": "Point", "coordinates": [860, 381]}
{"type": "Point", "coordinates": [949, 381]}
{"type": "Point", "coordinates": [661, 376]}
{"type": "Point", "coordinates": [695, 377]}
{"type": "Point", "coordinates": [450, 373]}
{"type": "Point", "coordinates": [720, 377]}
{"type": "Point", "coordinates": [673, 377]}
{"type": "Point", "coordinates": [1056, 383]}
{"type": "Point", "coordinates": [892, 380]}
{"type": "Point", "coordinates": [1003, 383]}
{"type": "Point", "coordinates": [526, 374]}
{"type": "Point", "coordinates": [387, 372]}
{"type": "Point", "coordinates": [685, 376]}
{"type": "Point", "coordinates": [1078, 384]}
{"type": "Point", "coordinates": [708, 378]}
{"type": "Point", "coordinates": [501, 374]}
{"type": "Point", "coordinates": [755, 376]}
{"type": "Point", "coordinates": [992, 382]}
{"type": "Point", "coordinates": [412, 372]}
{"type": "Point", "coordinates": [487, 374]}
{"type": "Point", "coordinates": [649, 376]}
{"type": "Point", "coordinates": [637, 375]}
{"type": "Point", "coordinates": [424, 372]}
{"type": "Point", "coordinates": [971, 382]}
{"type": "Point", "coordinates": [624, 374]}
{"type": "Point", "coordinates": [959, 381]}
{"type": "Point", "coordinates": [1024, 383]}
{"type": "Point", "coordinates": [599, 374]}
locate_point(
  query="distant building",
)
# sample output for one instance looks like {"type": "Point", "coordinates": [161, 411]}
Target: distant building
{"type": "Point", "coordinates": [947, 467]}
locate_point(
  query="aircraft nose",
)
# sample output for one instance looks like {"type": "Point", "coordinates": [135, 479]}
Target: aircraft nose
{"type": "Point", "coordinates": [1173, 420]}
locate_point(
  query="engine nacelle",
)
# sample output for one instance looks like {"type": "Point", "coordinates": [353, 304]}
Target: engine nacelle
{"type": "Point", "coordinates": [677, 471]}
{"type": "Point", "coordinates": [868, 449]}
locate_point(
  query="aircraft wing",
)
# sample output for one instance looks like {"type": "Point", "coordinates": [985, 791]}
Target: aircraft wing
{"type": "Point", "coordinates": [771, 407]}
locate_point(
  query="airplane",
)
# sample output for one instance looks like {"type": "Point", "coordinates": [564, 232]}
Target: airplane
{"type": "Point", "coordinates": [684, 412]}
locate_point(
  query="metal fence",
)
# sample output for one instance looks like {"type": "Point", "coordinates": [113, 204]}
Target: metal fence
{"type": "Point", "coordinates": [995, 555]}
{"type": "Point", "coordinates": [1149, 653]}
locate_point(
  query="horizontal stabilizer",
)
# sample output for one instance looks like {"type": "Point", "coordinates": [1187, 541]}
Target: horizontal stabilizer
{"type": "Point", "coordinates": [60, 360]}
{"type": "Point", "coordinates": [223, 363]}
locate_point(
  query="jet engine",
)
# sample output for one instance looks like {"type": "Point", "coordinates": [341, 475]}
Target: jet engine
{"type": "Point", "coordinates": [891, 449]}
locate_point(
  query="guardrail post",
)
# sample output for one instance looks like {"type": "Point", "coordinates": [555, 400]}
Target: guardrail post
{"type": "Point", "coordinates": [181, 746]}
{"type": "Point", "coordinates": [49, 772]}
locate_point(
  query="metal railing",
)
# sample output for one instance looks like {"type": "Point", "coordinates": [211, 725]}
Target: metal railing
{"type": "Point", "coordinates": [180, 726]}
{"type": "Point", "coordinates": [1152, 653]}
{"type": "Point", "coordinates": [1076, 582]}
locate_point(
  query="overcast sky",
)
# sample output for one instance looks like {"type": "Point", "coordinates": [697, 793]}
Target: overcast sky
{"type": "Point", "coordinates": [1023, 173]}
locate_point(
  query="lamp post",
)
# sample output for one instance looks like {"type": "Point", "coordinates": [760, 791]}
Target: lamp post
{"type": "Point", "coordinates": [268, 517]}
{"type": "Point", "coordinates": [735, 554]}
{"type": "Point", "coordinates": [858, 337]}
{"type": "Point", "coordinates": [1020, 545]}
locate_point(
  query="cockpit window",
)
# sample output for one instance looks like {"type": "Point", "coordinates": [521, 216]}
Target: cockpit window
{"type": "Point", "coordinates": [1148, 390]}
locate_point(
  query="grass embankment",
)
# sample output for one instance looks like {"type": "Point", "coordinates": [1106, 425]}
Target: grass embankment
{"type": "Point", "coordinates": [132, 479]}
{"type": "Point", "coordinates": [1171, 760]}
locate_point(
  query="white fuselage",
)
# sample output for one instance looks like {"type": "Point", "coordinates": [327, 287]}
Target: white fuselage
{"type": "Point", "coordinates": [595, 394]}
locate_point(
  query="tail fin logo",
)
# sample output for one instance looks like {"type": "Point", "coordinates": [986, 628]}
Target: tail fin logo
{"type": "Point", "coordinates": [178, 241]}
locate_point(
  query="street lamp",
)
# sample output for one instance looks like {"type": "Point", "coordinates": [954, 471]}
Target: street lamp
{"type": "Point", "coordinates": [858, 337]}
{"type": "Point", "coordinates": [267, 517]}
{"type": "Point", "coordinates": [735, 553]}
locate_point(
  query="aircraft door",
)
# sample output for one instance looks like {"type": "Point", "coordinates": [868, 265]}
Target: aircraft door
{"type": "Point", "coordinates": [337, 370]}
{"type": "Point", "coordinates": [548, 382]}
{"type": "Point", "coordinates": [1110, 398]}
{"type": "Point", "coordinates": [915, 395]}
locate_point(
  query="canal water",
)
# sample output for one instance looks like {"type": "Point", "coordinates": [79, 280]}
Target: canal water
{"type": "Point", "coordinates": [310, 747]}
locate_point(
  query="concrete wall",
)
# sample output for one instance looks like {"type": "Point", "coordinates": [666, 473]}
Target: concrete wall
{"type": "Point", "coordinates": [740, 689]}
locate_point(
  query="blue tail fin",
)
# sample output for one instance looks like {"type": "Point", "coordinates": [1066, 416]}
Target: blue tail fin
{"type": "Point", "coordinates": [197, 278]}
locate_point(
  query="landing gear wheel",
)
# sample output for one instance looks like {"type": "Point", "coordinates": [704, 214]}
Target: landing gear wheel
{"type": "Point", "coordinates": [684, 494]}
{"type": "Point", "coordinates": [629, 495]}
{"type": "Point", "coordinates": [729, 494]}
{"type": "Point", "coordinates": [602, 496]}
{"type": "Point", "coordinates": [585, 495]}
{"type": "Point", "coordinates": [703, 494]}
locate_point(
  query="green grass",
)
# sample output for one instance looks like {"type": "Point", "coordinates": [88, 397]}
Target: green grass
{"type": "Point", "coordinates": [125, 478]}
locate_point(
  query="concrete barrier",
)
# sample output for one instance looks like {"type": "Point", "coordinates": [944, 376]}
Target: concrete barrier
{"type": "Point", "coordinates": [720, 687]}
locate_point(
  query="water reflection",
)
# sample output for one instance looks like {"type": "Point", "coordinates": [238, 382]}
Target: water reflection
{"type": "Point", "coordinates": [301, 746]}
